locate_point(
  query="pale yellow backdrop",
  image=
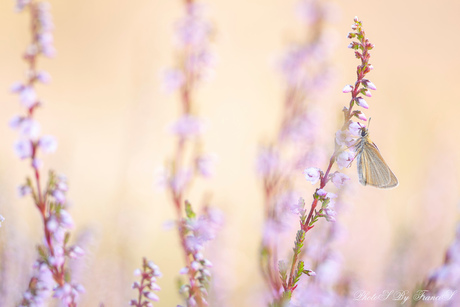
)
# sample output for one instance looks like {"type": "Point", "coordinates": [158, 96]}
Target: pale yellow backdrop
{"type": "Point", "coordinates": [110, 115]}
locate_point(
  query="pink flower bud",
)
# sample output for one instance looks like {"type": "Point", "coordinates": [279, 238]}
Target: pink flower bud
{"type": "Point", "coordinates": [360, 115]}
{"type": "Point", "coordinates": [362, 103]}
{"type": "Point", "coordinates": [347, 89]}
{"type": "Point", "coordinates": [321, 193]}
{"type": "Point", "coordinates": [369, 84]}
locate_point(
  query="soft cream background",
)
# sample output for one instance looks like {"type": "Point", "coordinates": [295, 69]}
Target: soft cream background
{"type": "Point", "coordinates": [107, 109]}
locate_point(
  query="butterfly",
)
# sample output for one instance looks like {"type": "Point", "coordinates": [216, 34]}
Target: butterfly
{"type": "Point", "coordinates": [372, 168]}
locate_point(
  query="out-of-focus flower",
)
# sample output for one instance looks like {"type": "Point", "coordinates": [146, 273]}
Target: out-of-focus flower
{"type": "Point", "coordinates": [48, 143]}
{"type": "Point", "coordinates": [268, 161]}
{"type": "Point", "coordinates": [338, 179]}
{"type": "Point", "coordinates": [355, 128]}
{"type": "Point", "coordinates": [344, 138]}
{"type": "Point", "coordinates": [312, 174]}
{"type": "Point", "coordinates": [188, 126]}
{"type": "Point", "coordinates": [344, 159]}
{"type": "Point", "coordinates": [149, 274]}
{"type": "Point", "coordinates": [205, 164]}
{"type": "Point", "coordinates": [23, 148]}
{"type": "Point", "coordinates": [173, 79]}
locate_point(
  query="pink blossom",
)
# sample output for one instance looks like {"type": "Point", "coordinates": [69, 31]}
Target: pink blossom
{"type": "Point", "coordinates": [173, 79]}
{"type": "Point", "coordinates": [355, 128]}
{"type": "Point", "coordinates": [321, 193]}
{"type": "Point", "coordinates": [369, 84]}
{"type": "Point", "coordinates": [29, 128]}
{"type": "Point", "coordinates": [28, 96]}
{"type": "Point", "coordinates": [48, 143]}
{"type": "Point", "coordinates": [312, 174]}
{"type": "Point", "coordinates": [193, 30]}
{"type": "Point", "coordinates": [362, 103]}
{"type": "Point", "coordinates": [24, 190]}
{"type": "Point", "coordinates": [23, 148]}
{"type": "Point", "coordinates": [344, 138]}
{"type": "Point", "coordinates": [205, 164]}
{"type": "Point", "coordinates": [43, 77]}
{"type": "Point", "coordinates": [188, 126]}
{"type": "Point", "coordinates": [180, 180]}
{"type": "Point", "coordinates": [360, 115]}
{"type": "Point", "coordinates": [344, 159]}
{"type": "Point", "coordinates": [15, 122]}
{"type": "Point", "coordinates": [338, 179]}
{"type": "Point", "coordinates": [37, 163]}
{"type": "Point", "coordinates": [268, 161]}
{"type": "Point", "coordinates": [347, 89]}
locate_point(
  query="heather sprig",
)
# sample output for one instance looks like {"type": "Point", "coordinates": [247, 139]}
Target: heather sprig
{"type": "Point", "coordinates": [193, 66]}
{"type": "Point", "coordinates": [444, 281]}
{"type": "Point", "coordinates": [50, 200]}
{"type": "Point", "coordinates": [147, 285]}
{"type": "Point", "coordinates": [196, 231]}
{"type": "Point", "coordinates": [343, 155]}
{"type": "Point", "coordinates": [306, 72]}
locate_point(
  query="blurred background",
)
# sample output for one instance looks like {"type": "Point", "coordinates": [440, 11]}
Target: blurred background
{"type": "Point", "coordinates": [106, 106]}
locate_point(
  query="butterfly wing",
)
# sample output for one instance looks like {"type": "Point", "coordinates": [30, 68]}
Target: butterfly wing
{"type": "Point", "coordinates": [372, 169]}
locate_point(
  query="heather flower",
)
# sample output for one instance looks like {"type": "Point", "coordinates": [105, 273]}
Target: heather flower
{"type": "Point", "coordinates": [355, 128]}
{"type": "Point", "coordinates": [193, 30]}
{"type": "Point", "coordinates": [205, 164]}
{"type": "Point", "coordinates": [23, 148]}
{"type": "Point", "coordinates": [173, 79]}
{"type": "Point", "coordinates": [339, 179]}
{"type": "Point", "coordinates": [43, 77]}
{"type": "Point", "coordinates": [268, 161]}
{"type": "Point", "coordinates": [360, 115]}
{"type": "Point", "coordinates": [2, 219]}
{"type": "Point", "coordinates": [347, 89]}
{"type": "Point", "coordinates": [344, 139]}
{"type": "Point", "coordinates": [24, 190]}
{"type": "Point", "coordinates": [50, 200]}
{"type": "Point", "coordinates": [149, 274]}
{"type": "Point", "coordinates": [27, 96]}
{"type": "Point", "coordinates": [362, 103]}
{"type": "Point", "coordinates": [41, 288]}
{"type": "Point", "coordinates": [312, 174]}
{"type": "Point", "coordinates": [369, 84]}
{"type": "Point", "coordinates": [188, 126]}
{"type": "Point", "coordinates": [48, 143]}
{"type": "Point", "coordinates": [180, 180]}
{"type": "Point", "coordinates": [29, 128]}
{"type": "Point", "coordinates": [344, 159]}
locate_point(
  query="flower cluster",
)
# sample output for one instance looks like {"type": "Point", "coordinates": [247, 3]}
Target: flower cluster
{"type": "Point", "coordinates": [306, 73]}
{"type": "Point", "coordinates": [196, 231]}
{"type": "Point", "coordinates": [148, 284]}
{"type": "Point", "coordinates": [445, 280]}
{"type": "Point", "coordinates": [343, 155]}
{"type": "Point", "coordinates": [51, 200]}
{"type": "Point", "coordinates": [193, 35]}
{"type": "Point", "coordinates": [40, 286]}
